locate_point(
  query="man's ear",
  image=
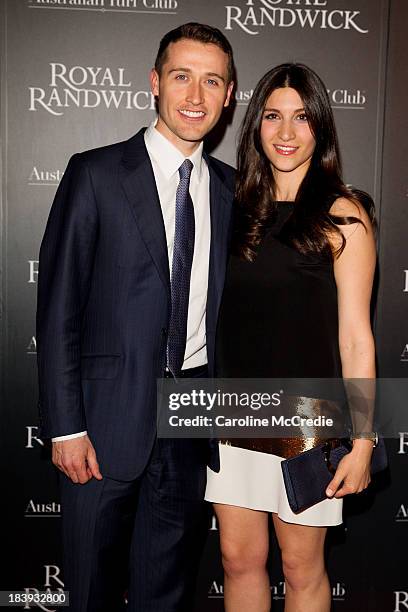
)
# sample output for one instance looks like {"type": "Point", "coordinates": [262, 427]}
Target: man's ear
{"type": "Point", "coordinates": [154, 82]}
{"type": "Point", "coordinates": [229, 93]}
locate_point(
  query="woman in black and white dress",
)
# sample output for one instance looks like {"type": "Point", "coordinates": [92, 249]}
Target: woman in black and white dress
{"type": "Point", "coordinates": [296, 304]}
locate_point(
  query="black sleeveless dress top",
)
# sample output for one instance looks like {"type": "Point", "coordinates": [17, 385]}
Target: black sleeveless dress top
{"type": "Point", "coordinates": [278, 315]}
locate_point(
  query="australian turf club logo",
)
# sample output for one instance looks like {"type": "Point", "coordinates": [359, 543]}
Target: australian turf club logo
{"type": "Point", "coordinates": [110, 6]}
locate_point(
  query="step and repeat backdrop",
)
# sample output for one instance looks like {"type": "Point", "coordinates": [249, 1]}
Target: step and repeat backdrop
{"type": "Point", "coordinates": [74, 75]}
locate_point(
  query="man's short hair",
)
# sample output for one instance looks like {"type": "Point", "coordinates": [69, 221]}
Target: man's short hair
{"type": "Point", "coordinates": [201, 33]}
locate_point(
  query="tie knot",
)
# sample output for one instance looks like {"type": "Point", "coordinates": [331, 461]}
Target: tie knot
{"type": "Point", "coordinates": [185, 169]}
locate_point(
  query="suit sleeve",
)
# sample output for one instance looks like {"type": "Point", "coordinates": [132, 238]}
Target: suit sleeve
{"type": "Point", "coordinates": [66, 260]}
{"type": "Point", "coordinates": [80, 434]}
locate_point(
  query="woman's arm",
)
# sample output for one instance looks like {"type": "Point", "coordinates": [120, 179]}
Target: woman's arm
{"type": "Point", "coordinates": [354, 273]}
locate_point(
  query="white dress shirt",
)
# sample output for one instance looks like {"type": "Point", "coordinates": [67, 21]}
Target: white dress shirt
{"type": "Point", "coordinates": [166, 159]}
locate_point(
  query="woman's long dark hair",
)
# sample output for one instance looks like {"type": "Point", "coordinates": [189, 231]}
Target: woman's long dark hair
{"type": "Point", "coordinates": [311, 221]}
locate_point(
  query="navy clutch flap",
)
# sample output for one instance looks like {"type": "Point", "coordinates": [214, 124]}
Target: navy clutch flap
{"type": "Point", "coordinates": [307, 475]}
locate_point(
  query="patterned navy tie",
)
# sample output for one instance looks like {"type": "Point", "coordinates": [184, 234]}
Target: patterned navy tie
{"type": "Point", "coordinates": [181, 271]}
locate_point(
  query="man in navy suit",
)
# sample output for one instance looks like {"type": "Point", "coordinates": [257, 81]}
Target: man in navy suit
{"type": "Point", "coordinates": [132, 267]}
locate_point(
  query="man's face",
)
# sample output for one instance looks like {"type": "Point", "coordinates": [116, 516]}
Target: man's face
{"type": "Point", "coordinates": [192, 90]}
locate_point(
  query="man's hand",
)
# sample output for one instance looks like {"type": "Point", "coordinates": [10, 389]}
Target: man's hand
{"type": "Point", "coordinates": [76, 458]}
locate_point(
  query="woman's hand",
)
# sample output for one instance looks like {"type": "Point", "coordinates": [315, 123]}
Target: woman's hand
{"type": "Point", "coordinates": [353, 472]}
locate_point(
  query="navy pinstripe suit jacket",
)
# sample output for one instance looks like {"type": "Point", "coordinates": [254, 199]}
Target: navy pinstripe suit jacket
{"type": "Point", "coordinates": [104, 301]}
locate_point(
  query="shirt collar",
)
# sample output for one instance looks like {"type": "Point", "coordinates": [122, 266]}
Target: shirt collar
{"type": "Point", "coordinates": [167, 156]}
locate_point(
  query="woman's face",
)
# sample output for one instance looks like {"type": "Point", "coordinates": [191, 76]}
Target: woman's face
{"type": "Point", "coordinates": [286, 138]}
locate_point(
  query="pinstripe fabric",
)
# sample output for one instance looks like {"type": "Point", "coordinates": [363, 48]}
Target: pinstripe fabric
{"type": "Point", "coordinates": [143, 537]}
{"type": "Point", "coordinates": [104, 301]}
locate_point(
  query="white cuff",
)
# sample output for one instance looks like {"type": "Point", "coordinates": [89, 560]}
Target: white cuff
{"type": "Point", "coordinates": [69, 436]}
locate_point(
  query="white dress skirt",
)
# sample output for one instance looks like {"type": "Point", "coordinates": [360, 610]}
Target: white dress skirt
{"type": "Point", "coordinates": [254, 480]}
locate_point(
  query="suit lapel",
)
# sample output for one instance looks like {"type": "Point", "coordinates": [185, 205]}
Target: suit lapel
{"type": "Point", "coordinates": [141, 193]}
{"type": "Point", "coordinates": [140, 188]}
{"type": "Point", "coordinates": [220, 211]}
